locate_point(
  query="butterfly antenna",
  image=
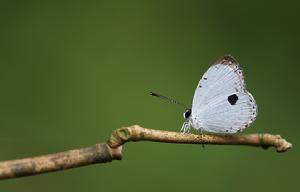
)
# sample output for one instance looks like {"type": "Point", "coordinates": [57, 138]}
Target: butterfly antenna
{"type": "Point", "coordinates": [168, 99]}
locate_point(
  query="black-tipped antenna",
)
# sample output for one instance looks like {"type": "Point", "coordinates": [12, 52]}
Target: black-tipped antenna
{"type": "Point", "coordinates": [168, 99]}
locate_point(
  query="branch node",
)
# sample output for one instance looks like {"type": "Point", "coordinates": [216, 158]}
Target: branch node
{"type": "Point", "coordinates": [124, 134]}
{"type": "Point", "coordinates": [116, 152]}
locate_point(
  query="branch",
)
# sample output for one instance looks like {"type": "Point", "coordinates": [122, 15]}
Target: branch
{"type": "Point", "coordinates": [98, 153]}
{"type": "Point", "coordinates": [112, 150]}
{"type": "Point", "coordinates": [137, 133]}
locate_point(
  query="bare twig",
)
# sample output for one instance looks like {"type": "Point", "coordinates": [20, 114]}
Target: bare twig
{"type": "Point", "coordinates": [137, 133]}
{"type": "Point", "coordinates": [102, 153]}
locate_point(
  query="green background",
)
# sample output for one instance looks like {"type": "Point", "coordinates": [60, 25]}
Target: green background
{"type": "Point", "coordinates": [73, 71]}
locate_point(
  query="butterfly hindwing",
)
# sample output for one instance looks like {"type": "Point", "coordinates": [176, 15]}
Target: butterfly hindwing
{"type": "Point", "coordinates": [229, 114]}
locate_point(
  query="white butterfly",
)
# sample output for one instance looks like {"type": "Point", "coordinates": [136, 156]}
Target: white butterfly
{"type": "Point", "coordinates": [221, 103]}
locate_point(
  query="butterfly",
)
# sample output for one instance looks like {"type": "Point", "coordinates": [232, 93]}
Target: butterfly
{"type": "Point", "coordinates": [221, 103]}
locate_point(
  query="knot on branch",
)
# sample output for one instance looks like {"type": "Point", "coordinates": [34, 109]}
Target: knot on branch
{"type": "Point", "coordinates": [124, 134]}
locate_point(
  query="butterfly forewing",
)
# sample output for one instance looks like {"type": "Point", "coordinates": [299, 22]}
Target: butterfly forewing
{"type": "Point", "coordinates": [221, 102]}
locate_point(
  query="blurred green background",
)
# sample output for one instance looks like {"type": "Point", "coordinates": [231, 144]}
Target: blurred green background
{"type": "Point", "coordinates": [73, 71]}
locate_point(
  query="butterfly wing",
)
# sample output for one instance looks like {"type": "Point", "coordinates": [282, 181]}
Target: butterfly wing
{"type": "Point", "coordinates": [229, 114]}
{"type": "Point", "coordinates": [221, 102]}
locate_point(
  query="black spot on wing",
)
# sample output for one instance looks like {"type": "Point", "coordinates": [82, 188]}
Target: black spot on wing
{"type": "Point", "coordinates": [232, 99]}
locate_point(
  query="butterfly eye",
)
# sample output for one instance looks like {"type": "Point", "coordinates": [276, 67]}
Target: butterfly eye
{"type": "Point", "coordinates": [187, 113]}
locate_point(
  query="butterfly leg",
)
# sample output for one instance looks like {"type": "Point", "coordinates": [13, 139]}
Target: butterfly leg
{"type": "Point", "coordinates": [182, 130]}
{"type": "Point", "coordinates": [188, 126]}
{"type": "Point", "coordinates": [185, 127]}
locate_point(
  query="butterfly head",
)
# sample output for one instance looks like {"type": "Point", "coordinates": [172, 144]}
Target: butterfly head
{"type": "Point", "coordinates": [187, 113]}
